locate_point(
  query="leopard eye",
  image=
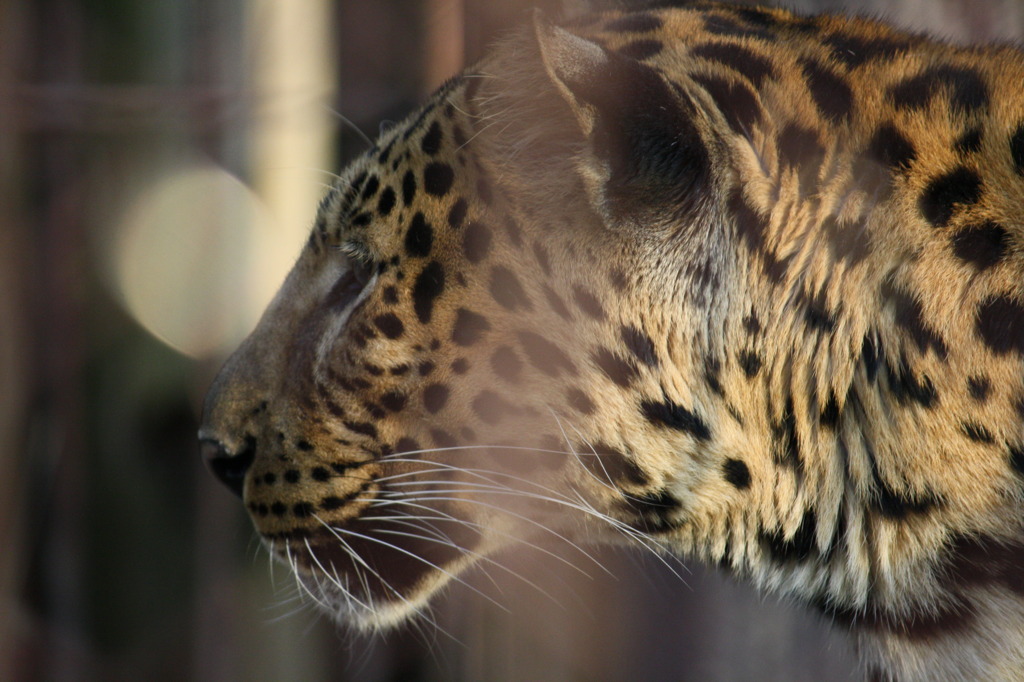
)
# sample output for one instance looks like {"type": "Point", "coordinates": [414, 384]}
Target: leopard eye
{"type": "Point", "coordinates": [359, 259]}
{"type": "Point", "coordinates": [350, 285]}
{"type": "Point", "coordinates": [362, 271]}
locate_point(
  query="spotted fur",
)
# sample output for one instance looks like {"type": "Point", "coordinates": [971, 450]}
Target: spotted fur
{"type": "Point", "coordinates": [728, 281]}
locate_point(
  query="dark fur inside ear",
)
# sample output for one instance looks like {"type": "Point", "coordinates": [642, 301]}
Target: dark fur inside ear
{"type": "Point", "coordinates": [638, 126]}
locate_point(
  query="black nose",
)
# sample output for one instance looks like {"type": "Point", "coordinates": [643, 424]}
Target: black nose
{"type": "Point", "coordinates": [229, 469]}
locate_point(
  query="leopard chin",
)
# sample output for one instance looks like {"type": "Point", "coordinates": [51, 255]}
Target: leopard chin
{"type": "Point", "coordinates": [363, 597]}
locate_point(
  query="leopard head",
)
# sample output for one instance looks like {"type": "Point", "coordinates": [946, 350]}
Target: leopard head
{"type": "Point", "coordinates": [481, 343]}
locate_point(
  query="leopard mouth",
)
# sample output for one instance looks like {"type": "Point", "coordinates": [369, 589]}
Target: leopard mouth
{"type": "Point", "coordinates": [373, 572]}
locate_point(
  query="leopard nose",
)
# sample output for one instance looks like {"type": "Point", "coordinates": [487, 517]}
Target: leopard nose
{"type": "Point", "coordinates": [228, 468]}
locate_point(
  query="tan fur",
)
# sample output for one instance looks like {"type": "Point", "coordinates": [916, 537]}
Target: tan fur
{"type": "Point", "coordinates": [827, 404]}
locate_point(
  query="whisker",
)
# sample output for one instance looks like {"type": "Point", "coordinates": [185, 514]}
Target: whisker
{"type": "Point", "coordinates": [485, 559]}
{"type": "Point", "coordinates": [453, 519]}
{"type": "Point", "coordinates": [350, 125]}
{"type": "Point", "coordinates": [493, 472]}
{"type": "Point", "coordinates": [359, 574]}
{"type": "Point", "coordinates": [508, 512]}
{"type": "Point", "coordinates": [316, 560]}
{"type": "Point", "coordinates": [449, 574]}
{"type": "Point", "coordinates": [640, 538]}
{"type": "Point", "coordinates": [485, 474]}
{"type": "Point", "coordinates": [288, 615]}
{"type": "Point", "coordinates": [456, 448]}
{"type": "Point", "coordinates": [578, 503]}
{"type": "Point", "coordinates": [629, 532]}
{"type": "Point", "coordinates": [605, 483]}
{"type": "Point", "coordinates": [298, 579]}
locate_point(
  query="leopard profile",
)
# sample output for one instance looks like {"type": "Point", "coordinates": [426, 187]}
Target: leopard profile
{"type": "Point", "coordinates": [739, 283]}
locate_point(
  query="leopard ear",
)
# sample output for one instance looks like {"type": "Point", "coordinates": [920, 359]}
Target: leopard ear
{"type": "Point", "coordinates": [570, 62]}
{"type": "Point", "coordinates": [646, 154]}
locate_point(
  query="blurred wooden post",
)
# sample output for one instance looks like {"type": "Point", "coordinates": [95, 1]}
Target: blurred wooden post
{"type": "Point", "coordinates": [55, 250]}
{"type": "Point", "coordinates": [444, 41]}
{"type": "Point", "coordinates": [14, 345]}
{"type": "Point", "coordinates": [293, 79]}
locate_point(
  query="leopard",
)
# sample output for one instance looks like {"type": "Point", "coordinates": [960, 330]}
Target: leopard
{"type": "Point", "coordinates": [731, 283]}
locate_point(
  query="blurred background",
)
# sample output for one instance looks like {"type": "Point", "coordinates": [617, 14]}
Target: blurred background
{"type": "Point", "coordinates": [160, 163]}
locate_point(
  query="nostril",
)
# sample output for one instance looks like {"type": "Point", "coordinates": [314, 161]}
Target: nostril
{"type": "Point", "coordinates": [229, 469]}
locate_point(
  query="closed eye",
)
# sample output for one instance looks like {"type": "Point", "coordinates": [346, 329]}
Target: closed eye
{"type": "Point", "coordinates": [361, 262]}
{"type": "Point", "coordinates": [350, 284]}
{"type": "Point", "coordinates": [362, 271]}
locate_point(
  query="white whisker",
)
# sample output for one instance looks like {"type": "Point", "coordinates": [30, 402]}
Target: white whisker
{"type": "Point", "coordinates": [360, 575]}
{"type": "Point", "coordinates": [316, 560]}
{"type": "Point", "coordinates": [480, 557]}
{"type": "Point", "coordinates": [472, 524]}
{"type": "Point", "coordinates": [439, 495]}
{"type": "Point", "coordinates": [350, 125]}
{"type": "Point", "coordinates": [395, 547]}
{"type": "Point", "coordinates": [600, 461]}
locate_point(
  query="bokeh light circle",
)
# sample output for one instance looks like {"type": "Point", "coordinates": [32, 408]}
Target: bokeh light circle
{"type": "Point", "coordinates": [197, 257]}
